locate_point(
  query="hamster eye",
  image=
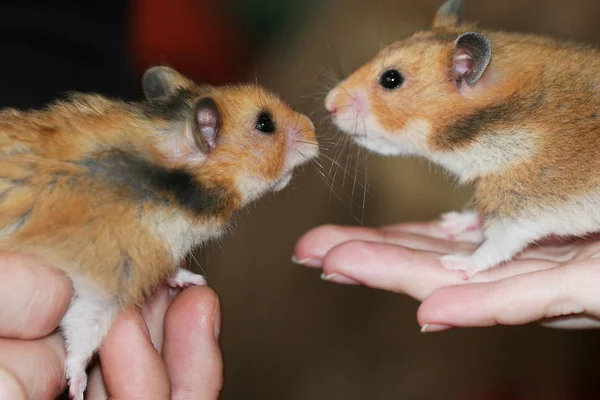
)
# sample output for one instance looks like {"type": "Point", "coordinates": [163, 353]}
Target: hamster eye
{"type": "Point", "coordinates": [391, 79]}
{"type": "Point", "coordinates": [265, 123]}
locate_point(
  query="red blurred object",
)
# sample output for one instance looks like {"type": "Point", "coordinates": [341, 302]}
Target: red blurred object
{"type": "Point", "coordinates": [196, 37]}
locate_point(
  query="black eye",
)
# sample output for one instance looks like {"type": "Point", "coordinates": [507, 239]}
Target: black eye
{"type": "Point", "coordinates": [391, 79]}
{"type": "Point", "coordinates": [265, 123]}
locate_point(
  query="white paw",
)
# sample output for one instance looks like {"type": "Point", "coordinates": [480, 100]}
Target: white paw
{"type": "Point", "coordinates": [456, 262]}
{"type": "Point", "coordinates": [184, 278]}
{"type": "Point", "coordinates": [455, 223]}
{"type": "Point", "coordinates": [461, 262]}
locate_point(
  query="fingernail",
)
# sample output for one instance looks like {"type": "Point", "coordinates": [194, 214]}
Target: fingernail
{"type": "Point", "coordinates": [432, 328]}
{"type": "Point", "coordinates": [337, 278]}
{"type": "Point", "coordinates": [9, 387]}
{"type": "Point", "coordinates": [217, 319]}
{"type": "Point", "coordinates": [307, 262]}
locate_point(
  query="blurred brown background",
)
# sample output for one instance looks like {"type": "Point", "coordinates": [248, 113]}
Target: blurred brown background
{"type": "Point", "coordinates": [288, 335]}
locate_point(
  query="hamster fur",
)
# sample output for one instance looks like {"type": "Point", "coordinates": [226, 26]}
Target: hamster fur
{"type": "Point", "coordinates": [118, 194]}
{"type": "Point", "coordinates": [516, 115]}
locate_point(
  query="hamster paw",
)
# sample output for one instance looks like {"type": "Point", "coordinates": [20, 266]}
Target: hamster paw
{"type": "Point", "coordinates": [184, 278]}
{"type": "Point", "coordinates": [456, 262]}
{"type": "Point", "coordinates": [456, 223]}
{"type": "Point", "coordinates": [461, 262]}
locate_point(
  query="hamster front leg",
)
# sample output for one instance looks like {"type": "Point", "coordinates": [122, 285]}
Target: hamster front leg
{"type": "Point", "coordinates": [504, 238]}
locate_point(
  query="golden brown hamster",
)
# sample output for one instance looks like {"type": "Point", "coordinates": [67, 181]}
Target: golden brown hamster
{"type": "Point", "coordinates": [118, 194]}
{"type": "Point", "coordinates": [516, 115]}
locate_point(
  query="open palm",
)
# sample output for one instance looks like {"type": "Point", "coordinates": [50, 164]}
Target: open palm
{"type": "Point", "coordinates": [555, 282]}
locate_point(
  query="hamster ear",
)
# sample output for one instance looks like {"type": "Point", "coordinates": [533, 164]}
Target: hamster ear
{"type": "Point", "coordinates": [207, 121]}
{"type": "Point", "coordinates": [471, 56]}
{"type": "Point", "coordinates": [161, 82]}
{"type": "Point", "coordinates": [448, 15]}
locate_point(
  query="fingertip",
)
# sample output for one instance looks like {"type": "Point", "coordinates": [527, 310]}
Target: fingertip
{"type": "Point", "coordinates": [389, 267]}
{"type": "Point", "coordinates": [10, 388]}
{"type": "Point", "coordinates": [363, 261]}
{"type": "Point", "coordinates": [316, 243]}
{"type": "Point", "coordinates": [198, 303]}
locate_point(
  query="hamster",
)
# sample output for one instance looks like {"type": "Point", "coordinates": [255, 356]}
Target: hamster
{"type": "Point", "coordinates": [118, 194]}
{"type": "Point", "coordinates": [516, 115]}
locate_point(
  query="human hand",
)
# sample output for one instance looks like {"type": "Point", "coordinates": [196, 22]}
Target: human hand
{"type": "Point", "coordinates": [34, 298]}
{"type": "Point", "coordinates": [188, 363]}
{"type": "Point", "coordinates": [555, 283]}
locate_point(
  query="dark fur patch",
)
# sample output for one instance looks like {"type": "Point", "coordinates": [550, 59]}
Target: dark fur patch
{"type": "Point", "coordinates": [126, 267]}
{"type": "Point", "coordinates": [177, 106]}
{"type": "Point", "coordinates": [151, 182]}
{"type": "Point", "coordinates": [485, 120]}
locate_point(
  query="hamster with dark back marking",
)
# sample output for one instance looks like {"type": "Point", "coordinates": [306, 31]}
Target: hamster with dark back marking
{"type": "Point", "coordinates": [118, 194]}
{"type": "Point", "coordinates": [516, 115]}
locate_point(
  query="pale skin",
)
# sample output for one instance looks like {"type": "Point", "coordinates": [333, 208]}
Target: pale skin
{"type": "Point", "coordinates": [34, 298]}
{"type": "Point", "coordinates": [554, 283]}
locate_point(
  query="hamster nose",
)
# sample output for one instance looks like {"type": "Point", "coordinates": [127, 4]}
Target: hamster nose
{"type": "Point", "coordinates": [330, 104]}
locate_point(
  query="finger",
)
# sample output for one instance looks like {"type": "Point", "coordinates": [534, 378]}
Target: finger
{"type": "Point", "coordinates": [315, 244]}
{"type": "Point", "coordinates": [392, 267]}
{"type": "Point", "coordinates": [556, 292]}
{"type": "Point", "coordinates": [37, 365]}
{"type": "Point", "coordinates": [33, 298]}
{"type": "Point", "coordinates": [153, 313]}
{"type": "Point", "coordinates": [191, 349]}
{"type": "Point", "coordinates": [389, 267]}
{"type": "Point", "coordinates": [131, 366]}
{"type": "Point", "coordinates": [511, 269]}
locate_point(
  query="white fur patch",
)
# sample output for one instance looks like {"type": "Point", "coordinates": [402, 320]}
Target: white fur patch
{"type": "Point", "coordinates": [505, 238]}
{"type": "Point", "coordinates": [369, 133]}
{"type": "Point", "coordinates": [84, 326]}
{"type": "Point", "coordinates": [490, 153]}
{"type": "Point", "coordinates": [179, 235]}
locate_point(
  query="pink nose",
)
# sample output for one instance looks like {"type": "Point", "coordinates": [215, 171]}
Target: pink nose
{"type": "Point", "coordinates": [330, 105]}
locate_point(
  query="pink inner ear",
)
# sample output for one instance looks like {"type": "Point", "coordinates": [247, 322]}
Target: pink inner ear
{"type": "Point", "coordinates": [463, 64]}
{"type": "Point", "coordinates": [208, 126]}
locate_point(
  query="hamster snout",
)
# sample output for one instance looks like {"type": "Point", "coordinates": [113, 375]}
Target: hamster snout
{"type": "Point", "coordinates": [302, 143]}
{"type": "Point", "coordinates": [348, 108]}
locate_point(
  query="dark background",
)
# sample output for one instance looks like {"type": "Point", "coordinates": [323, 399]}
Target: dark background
{"type": "Point", "coordinates": [286, 334]}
